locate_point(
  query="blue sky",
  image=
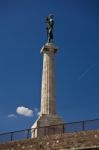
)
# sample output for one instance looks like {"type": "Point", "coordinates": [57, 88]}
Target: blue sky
{"type": "Point", "coordinates": [22, 34]}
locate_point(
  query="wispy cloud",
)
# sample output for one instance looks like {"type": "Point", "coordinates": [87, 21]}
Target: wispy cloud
{"type": "Point", "coordinates": [21, 110]}
{"type": "Point", "coordinates": [12, 116]}
{"type": "Point", "coordinates": [37, 112]}
{"type": "Point", "coordinates": [87, 70]}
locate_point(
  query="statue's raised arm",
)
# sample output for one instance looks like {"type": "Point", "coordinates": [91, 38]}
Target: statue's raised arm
{"type": "Point", "coordinates": [50, 24]}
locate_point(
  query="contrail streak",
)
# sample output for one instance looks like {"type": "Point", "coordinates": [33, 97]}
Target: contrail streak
{"type": "Point", "coordinates": [87, 70]}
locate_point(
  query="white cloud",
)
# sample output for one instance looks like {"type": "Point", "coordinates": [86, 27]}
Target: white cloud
{"type": "Point", "coordinates": [12, 116]}
{"type": "Point", "coordinates": [21, 110]}
{"type": "Point", "coordinates": [36, 110]}
{"type": "Point", "coordinates": [38, 113]}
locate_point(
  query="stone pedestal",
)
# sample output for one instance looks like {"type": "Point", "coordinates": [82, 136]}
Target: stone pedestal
{"type": "Point", "coordinates": [48, 115]}
{"type": "Point", "coordinates": [47, 125]}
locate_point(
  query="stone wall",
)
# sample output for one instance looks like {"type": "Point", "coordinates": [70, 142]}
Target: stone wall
{"type": "Point", "coordinates": [71, 141]}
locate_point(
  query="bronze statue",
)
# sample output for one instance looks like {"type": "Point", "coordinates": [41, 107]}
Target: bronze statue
{"type": "Point", "coordinates": [50, 24]}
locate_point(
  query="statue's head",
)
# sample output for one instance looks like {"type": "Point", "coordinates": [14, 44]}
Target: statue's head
{"type": "Point", "coordinates": [50, 16]}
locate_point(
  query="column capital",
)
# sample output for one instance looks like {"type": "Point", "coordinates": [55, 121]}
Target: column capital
{"type": "Point", "coordinates": [49, 47]}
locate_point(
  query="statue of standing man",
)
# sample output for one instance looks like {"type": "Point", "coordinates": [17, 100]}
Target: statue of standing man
{"type": "Point", "coordinates": [50, 24]}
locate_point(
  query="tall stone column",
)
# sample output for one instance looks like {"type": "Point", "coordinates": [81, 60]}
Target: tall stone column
{"type": "Point", "coordinates": [48, 115]}
{"type": "Point", "coordinates": [48, 89]}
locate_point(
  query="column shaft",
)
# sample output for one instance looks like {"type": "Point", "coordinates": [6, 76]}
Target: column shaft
{"type": "Point", "coordinates": [48, 93]}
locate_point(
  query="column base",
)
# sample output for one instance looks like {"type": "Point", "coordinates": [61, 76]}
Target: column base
{"type": "Point", "coordinates": [47, 125]}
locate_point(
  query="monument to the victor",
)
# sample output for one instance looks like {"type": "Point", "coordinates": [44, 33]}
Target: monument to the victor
{"type": "Point", "coordinates": [48, 114]}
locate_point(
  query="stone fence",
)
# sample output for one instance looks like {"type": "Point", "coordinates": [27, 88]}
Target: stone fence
{"type": "Point", "coordinates": [68, 141]}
